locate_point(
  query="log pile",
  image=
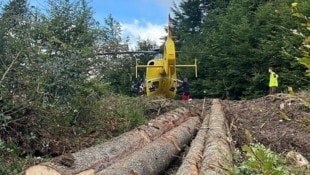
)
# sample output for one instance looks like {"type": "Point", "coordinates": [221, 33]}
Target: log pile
{"type": "Point", "coordinates": [156, 157]}
{"type": "Point", "coordinates": [211, 151]}
{"type": "Point", "coordinates": [97, 158]}
{"type": "Point", "coordinates": [150, 148]}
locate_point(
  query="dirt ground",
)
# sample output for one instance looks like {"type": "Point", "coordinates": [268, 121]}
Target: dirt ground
{"type": "Point", "coordinates": [280, 122]}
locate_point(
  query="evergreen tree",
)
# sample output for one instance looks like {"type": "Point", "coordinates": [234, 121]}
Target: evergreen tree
{"type": "Point", "coordinates": [14, 12]}
{"type": "Point", "coordinates": [117, 69]}
{"type": "Point", "coordinates": [16, 87]}
{"type": "Point", "coordinates": [187, 22]}
{"type": "Point", "coordinates": [67, 35]}
{"type": "Point", "coordinates": [241, 39]}
{"type": "Point", "coordinates": [187, 30]}
{"type": "Point", "coordinates": [47, 56]}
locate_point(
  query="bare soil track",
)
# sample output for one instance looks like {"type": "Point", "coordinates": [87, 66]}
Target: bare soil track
{"type": "Point", "coordinates": [280, 122]}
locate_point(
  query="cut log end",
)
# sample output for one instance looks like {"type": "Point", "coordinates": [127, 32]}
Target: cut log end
{"type": "Point", "coordinates": [46, 170]}
{"type": "Point", "coordinates": [41, 170]}
{"type": "Point", "coordinates": [87, 172]}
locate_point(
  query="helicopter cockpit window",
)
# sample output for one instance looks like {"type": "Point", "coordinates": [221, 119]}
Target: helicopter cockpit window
{"type": "Point", "coordinates": [154, 86]}
{"type": "Point", "coordinates": [158, 56]}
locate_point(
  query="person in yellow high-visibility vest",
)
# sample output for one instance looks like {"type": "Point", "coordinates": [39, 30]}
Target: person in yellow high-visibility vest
{"type": "Point", "coordinates": [273, 81]}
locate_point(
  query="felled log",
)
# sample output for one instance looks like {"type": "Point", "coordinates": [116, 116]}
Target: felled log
{"type": "Point", "coordinates": [192, 162]}
{"type": "Point", "coordinates": [217, 156]}
{"type": "Point", "coordinates": [156, 156]}
{"type": "Point", "coordinates": [92, 159]}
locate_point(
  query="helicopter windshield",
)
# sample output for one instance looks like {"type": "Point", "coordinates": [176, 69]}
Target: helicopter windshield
{"type": "Point", "coordinates": [158, 56]}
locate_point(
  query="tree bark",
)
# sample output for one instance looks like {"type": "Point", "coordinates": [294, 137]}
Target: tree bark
{"type": "Point", "coordinates": [156, 157]}
{"type": "Point", "coordinates": [99, 157]}
{"type": "Point", "coordinates": [192, 162]}
{"type": "Point", "coordinates": [217, 156]}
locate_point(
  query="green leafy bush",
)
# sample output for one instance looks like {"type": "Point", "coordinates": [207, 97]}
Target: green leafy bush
{"type": "Point", "coordinates": [261, 160]}
{"type": "Point", "coordinates": [305, 23]}
{"type": "Point", "coordinates": [11, 165]}
{"type": "Point", "coordinates": [123, 113]}
{"type": "Point", "coordinates": [96, 108]}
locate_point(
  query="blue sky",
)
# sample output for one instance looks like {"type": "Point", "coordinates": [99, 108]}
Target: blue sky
{"type": "Point", "coordinates": [126, 11]}
{"type": "Point", "coordinates": [144, 19]}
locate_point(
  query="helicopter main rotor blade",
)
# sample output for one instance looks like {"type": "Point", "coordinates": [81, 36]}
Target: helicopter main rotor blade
{"type": "Point", "coordinates": [127, 52]}
{"type": "Point", "coordinates": [190, 52]}
{"type": "Point", "coordinates": [145, 52]}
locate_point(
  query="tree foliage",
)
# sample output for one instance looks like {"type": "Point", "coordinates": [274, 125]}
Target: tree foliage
{"type": "Point", "coordinates": [117, 69]}
{"type": "Point", "coordinates": [305, 46]}
{"type": "Point", "coordinates": [241, 39]}
{"type": "Point", "coordinates": [46, 57]}
{"type": "Point", "coordinates": [16, 64]}
{"type": "Point", "coordinates": [51, 76]}
{"type": "Point", "coordinates": [65, 39]}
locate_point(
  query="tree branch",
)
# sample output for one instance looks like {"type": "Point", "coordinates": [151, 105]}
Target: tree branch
{"type": "Point", "coordinates": [10, 66]}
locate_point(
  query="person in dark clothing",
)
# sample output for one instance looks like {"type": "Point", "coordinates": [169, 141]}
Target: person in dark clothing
{"type": "Point", "coordinates": [185, 87]}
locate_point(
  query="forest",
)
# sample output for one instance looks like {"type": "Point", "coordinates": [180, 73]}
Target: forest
{"type": "Point", "coordinates": [51, 75]}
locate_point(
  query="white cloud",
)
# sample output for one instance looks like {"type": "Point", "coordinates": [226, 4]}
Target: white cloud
{"type": "Point", "coordinates": [168, 3]}
{"type": "Point", "coordinates": [136, 30]}
{"type": "Point", "coordinates": [147, 31]}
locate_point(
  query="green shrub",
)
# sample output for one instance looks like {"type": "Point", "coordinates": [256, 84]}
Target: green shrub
{"type": "Point", "coordinates": [123, 113]}
{"type": "Point", "coordinates": [260, 160]}
{"type": "Point", "coordinates": [10, 162]}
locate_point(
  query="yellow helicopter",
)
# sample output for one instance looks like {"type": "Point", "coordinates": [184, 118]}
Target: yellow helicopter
{"type": "Point", "coordinates": [161, 78]}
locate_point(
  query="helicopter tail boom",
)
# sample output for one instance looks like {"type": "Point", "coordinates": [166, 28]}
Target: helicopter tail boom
{"type": "Point", "coordinates": [190, 65]}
